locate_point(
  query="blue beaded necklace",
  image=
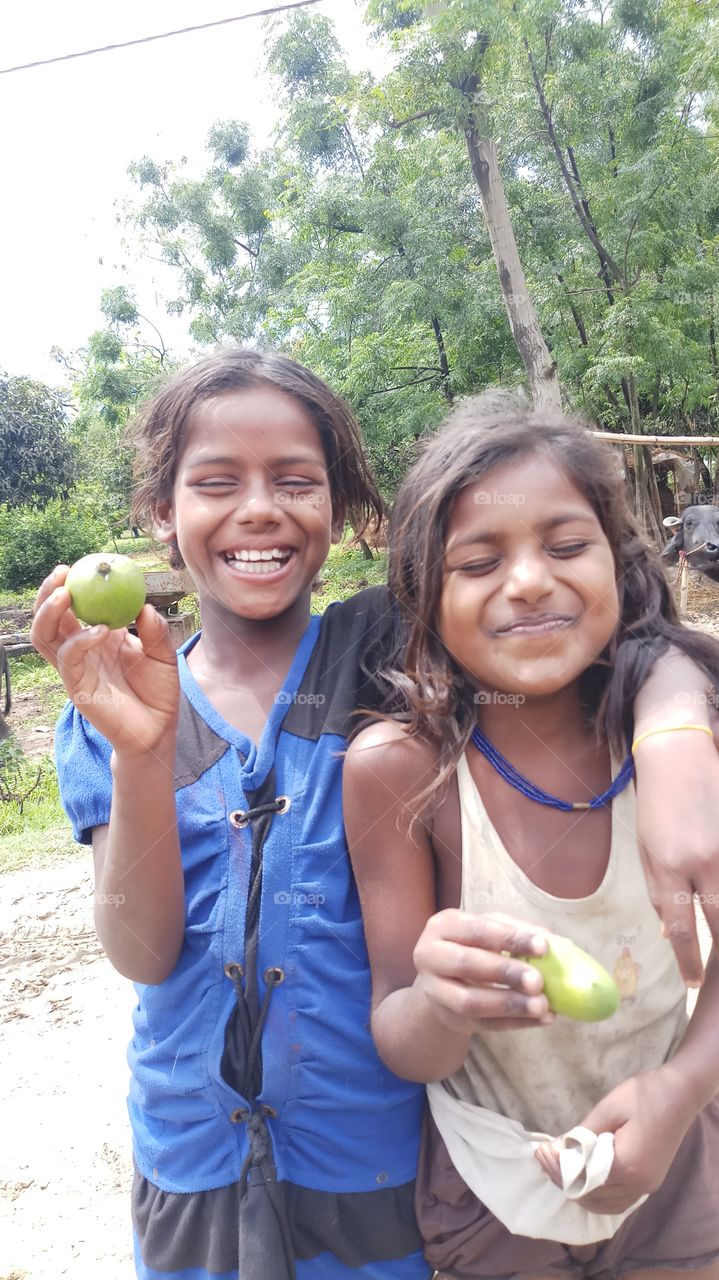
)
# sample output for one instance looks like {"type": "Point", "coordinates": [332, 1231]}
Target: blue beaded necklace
{"type": "Point", "coordinates": [533, 792]}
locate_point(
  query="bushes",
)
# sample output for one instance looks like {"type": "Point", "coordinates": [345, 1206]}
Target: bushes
{"type": "Point", "coordinates": [33, 542]}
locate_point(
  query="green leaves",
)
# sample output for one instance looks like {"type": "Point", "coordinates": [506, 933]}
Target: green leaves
{"type": "Point", "coordinates": [36, 458]}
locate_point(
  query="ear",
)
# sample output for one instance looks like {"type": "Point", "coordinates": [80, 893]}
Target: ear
{"type": "Point", "coordinates": [164, 524]}
{"type": "Point", "coordinates": [339, 515]}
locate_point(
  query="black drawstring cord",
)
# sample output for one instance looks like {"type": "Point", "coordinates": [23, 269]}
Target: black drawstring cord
{"type": "Point", "coordinates": [273, 978]}
{"type": "Point", "coordinates": [243, 817]}
{"type": "Point", "coordinates": [252, 1018]}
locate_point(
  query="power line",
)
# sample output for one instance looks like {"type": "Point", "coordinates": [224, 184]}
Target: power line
{"type": "Point", "coordinates": [163, 35]}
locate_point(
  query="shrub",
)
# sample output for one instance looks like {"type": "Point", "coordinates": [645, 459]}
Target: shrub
{"type": "Point", "coordinates": [33, 542]}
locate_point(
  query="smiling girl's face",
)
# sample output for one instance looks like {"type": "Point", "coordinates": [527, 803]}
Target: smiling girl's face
{"type": "Point", "coordinates": [251, 508]}
{"type": "Point", "coordinates": [529, 597]}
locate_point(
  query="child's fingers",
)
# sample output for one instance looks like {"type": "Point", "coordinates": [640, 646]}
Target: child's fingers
{"type": "Point", "coordinates": [493, 932]}
{"type": "Point", "coordinates": [547, 1156]}
{"type": "Point", "coordinates": [53, 622]}
{"type": "Point", "coordinates": [53, 580]}
{"type": "Point", "coordinates": [154, 633]}
{"type": "Point", "coordinates": [477, 967]}
{"type": "Point", "coordinates": [72, 653]}
{"type": "Point", "coordinates": [466, 1006]}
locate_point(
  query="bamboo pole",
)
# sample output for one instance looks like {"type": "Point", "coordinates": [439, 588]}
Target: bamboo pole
{"type": "Point", "coordinates": [683, 441]}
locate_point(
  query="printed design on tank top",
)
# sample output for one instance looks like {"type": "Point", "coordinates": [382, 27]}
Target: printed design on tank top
{"type": "Point", "coordinates": [627, 970]}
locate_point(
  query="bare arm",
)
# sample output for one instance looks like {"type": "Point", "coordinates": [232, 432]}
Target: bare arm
{"type": "Point", "coordinates": [127, 687]}
{"type": "Point", "coordinates": [677, 803]}
{"type": "Point", "coordinates": [434, 974]}
{"type": "Point", "coordinates": [139, 883]}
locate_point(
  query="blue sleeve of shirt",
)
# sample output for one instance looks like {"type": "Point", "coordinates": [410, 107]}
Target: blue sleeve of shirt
{"type": "Point", "coordinates": [82, 756]}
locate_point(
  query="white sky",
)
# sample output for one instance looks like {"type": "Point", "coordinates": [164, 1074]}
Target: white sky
{"type": "Point", "coordinates": [71, 129]}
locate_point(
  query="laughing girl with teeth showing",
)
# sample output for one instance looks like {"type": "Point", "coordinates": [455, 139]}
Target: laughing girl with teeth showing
{"type": "Point", "coordinates": [270, 1142]}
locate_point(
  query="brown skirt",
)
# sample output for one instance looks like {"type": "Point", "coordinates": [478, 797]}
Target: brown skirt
{"type": "Point", "coordinates": [677, 1227]}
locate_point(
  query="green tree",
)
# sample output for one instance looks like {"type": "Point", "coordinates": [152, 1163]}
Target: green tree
{"type": "Point", "coordinates": [37, 461]}
{"type": "Point", "coordinates": [120, 367]}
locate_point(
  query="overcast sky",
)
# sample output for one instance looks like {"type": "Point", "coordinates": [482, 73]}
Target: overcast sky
{"type": "Point", "coordinates": [70, 130]}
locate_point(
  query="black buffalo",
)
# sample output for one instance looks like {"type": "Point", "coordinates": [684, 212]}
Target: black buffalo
{"type": "Point", "coordinates": [697, 535]}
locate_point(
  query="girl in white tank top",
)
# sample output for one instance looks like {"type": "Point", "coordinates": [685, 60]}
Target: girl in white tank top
{"type": "Point", "coordinates": [487, 813]}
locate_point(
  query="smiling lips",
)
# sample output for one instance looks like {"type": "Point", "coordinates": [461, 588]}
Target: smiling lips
{"type": "Point", "coordinates": [541, 624]}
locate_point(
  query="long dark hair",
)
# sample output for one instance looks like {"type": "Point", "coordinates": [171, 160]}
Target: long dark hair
{"type": "Point", "coordinates": [427, 688]}
{"type": "Point", "coordinates": [157, 432]}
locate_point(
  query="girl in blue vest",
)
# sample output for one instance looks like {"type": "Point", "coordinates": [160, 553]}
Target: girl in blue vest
{"type": "Point", "coordinates": [270, 1142]}
{"type": "Point", "coordinates": [498, 793]}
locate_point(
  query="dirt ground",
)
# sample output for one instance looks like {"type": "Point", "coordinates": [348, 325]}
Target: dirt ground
{"type": "Point", "coordinates": [65, 1162]}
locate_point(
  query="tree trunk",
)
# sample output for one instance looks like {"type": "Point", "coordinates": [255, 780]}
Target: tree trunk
{"type": "Point", "coordinates": [540, 368]}
{"type": "Point", "coordinates": [443, 361]}
{"type": "Point", "coordinates": [646, 491]}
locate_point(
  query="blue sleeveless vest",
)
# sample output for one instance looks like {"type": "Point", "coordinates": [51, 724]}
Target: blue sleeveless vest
{"type": "Point", "coordinates": [267, 1132]}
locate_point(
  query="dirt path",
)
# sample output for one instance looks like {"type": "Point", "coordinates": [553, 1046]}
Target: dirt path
{"type": "Point", "coordinates": [64, 1138]}
{"type": "Point", "coordinates": [65, 1013]}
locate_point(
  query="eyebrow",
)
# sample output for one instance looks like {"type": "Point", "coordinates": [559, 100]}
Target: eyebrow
{"type": "Point", "coordinates": [490, 535]}
{"type": "Point", "coordinates": [300, 459]}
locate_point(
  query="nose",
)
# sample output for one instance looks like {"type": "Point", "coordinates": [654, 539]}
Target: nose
{"type": "Point", "coordinates": [529, 577]}
{"type": "Point", "coordinates": [256, 504]}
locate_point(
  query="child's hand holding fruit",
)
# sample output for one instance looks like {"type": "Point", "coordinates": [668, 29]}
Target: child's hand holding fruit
{"type": "Point", "coordinates": [126, 686]}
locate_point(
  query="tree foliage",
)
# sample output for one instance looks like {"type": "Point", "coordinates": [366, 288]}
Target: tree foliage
{"type": "Point", "coordinates": [36, 457]}
{"type": "Point", "coordinates": [357, 242]}
{"type": "Point", "coordinates": [118, 369]}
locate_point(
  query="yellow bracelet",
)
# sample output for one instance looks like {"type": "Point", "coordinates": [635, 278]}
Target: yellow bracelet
{"type": "Point", "coordinates": [670, 728]}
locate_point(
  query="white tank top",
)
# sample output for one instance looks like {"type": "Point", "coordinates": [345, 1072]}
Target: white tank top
{"type": "Point", "coordinates": [549, 1078]}
{"type": "Point", "coordinates": [517, 1088]}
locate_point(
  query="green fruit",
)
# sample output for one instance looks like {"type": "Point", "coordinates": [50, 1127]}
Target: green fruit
{"type": "Point", "coordinates": [107, 589]}
{"type": "Point", "coordinates": [575, 984]}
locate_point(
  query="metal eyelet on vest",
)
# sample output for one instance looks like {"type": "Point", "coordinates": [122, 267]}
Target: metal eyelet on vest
{"type": "Point", "coordinates": [240, 1115]}
{"type": "Point", "coordinates": [275, 975]}
{"type": "Point", "coordinates": [239, 818]}
{"type": "Point", "coordinates": [233, 970]}
{"type": "Point", "coordinates": [285, 802]}
{"type": "Point", "coordinates": [268, 1111]}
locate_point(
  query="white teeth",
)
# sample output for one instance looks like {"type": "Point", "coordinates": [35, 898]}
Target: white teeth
{"type": "Point", "coordinates": [247, 556]}
{"type": "Point", "coordinates": [259, 567]}
{"type": "Point", "coordinates": [253, 561]}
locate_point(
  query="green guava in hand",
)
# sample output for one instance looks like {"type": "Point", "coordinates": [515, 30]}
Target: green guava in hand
{"type": "Point", "coordinates": [107, 589]}
{"type": "Point", "coordinates": [575, 984]}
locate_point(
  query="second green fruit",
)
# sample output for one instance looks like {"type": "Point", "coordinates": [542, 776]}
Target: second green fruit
{"type": "Point", "coordinates": [575, 984]}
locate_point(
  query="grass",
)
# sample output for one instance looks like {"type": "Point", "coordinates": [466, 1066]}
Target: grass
{"type": "Point", "coordinates": [31, 672]}
{"type": "Point", "coordinates": [38, 834]}
{"type": "Point", "coordinates": [345, 573]}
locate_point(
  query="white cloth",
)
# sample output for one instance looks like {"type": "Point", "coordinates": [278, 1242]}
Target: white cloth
{"type": "Point", "coordinates": [495, 1157]}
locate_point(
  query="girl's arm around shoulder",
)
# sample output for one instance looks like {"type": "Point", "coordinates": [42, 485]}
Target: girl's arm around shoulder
{"type": "Point", "coordinates": [434, 974]}
{"type": "Point", "coordinates": [677, 774]}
